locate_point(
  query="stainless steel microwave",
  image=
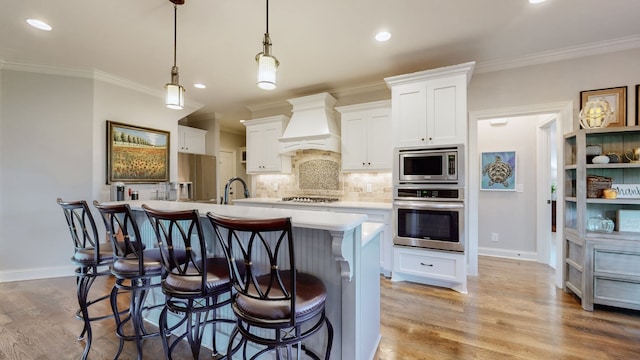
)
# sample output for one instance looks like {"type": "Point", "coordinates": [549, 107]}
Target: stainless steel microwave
{"type": "Point", "coordinates": [425, 165]}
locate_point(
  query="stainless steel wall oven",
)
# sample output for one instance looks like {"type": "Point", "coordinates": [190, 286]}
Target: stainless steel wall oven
{"type": "Point", "coordinates": [429, 217]}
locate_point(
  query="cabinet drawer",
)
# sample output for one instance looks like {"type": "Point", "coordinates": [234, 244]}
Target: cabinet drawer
{"type": "Point", "coordinates": [616, 292]}
{"type": "Point", "coordinates": [430, 264]}
{"type": "Point", "coordinates": [621, 263]}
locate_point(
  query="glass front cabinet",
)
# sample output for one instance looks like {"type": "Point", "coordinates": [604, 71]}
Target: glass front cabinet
{"type": "Point", "coordinates": [602, 226]}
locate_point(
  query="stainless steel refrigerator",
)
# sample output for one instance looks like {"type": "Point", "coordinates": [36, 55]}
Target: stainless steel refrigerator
{"type": "Point", "coordinates": [199, 172]}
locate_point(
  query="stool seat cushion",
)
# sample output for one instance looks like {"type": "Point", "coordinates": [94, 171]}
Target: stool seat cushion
{"type": "Point", "coordinates": [191, 281]}
{"type": "Point", "coordinates": [87, 255]}
{"type": "Point", "coordinates": [311, 295]}
{"type": "Point", "coordinates": [154, 254]}
{"type": "Point", "coordinates": [152, 263]}
{"type": "Point", "coordinates": [127, 266]}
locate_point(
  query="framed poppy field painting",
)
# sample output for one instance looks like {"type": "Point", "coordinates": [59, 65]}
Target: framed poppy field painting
{"type": "Point", "coordinates": [136, 154]}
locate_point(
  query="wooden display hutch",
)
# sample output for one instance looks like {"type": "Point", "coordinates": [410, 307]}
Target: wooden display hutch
{"type": "Point", "coordinates": [600, 268]}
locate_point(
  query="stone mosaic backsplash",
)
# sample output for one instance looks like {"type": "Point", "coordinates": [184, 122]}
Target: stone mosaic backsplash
{"type": "Point", "coordinates": [317, 173]}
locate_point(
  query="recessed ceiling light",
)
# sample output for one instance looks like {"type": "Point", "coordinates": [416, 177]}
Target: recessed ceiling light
{"type": "Point", "coordinates": [200, 86]}
{"type": "Point", "coordinates": [383, 36]}
{"type": "Point", "coordinates": [39, 24]}
{"type": "Point", "coordinates": [535, 1]}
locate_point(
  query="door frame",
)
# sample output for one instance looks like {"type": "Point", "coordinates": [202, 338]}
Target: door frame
{"type": "Point", "coordinates": [543, 188]}
{"type": "Point", "coordinates": [564, 113]}
{"type": "Point", "coordinates": [222, 182]}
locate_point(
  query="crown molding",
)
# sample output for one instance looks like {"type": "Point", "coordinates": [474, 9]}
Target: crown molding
{"type": "Point", "coordinates": [88, 74]}
{"type": "Point", "coordinates": [574, 52]}
{"type": "Point", "coordinates": [46, 69]}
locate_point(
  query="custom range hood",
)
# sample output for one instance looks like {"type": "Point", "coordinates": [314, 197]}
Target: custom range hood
{"type": "Point", "coordinates": [312, 125]}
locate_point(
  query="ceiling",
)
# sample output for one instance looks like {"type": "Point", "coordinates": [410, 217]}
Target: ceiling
{"type": "Point", "coordinates": [323, 45]}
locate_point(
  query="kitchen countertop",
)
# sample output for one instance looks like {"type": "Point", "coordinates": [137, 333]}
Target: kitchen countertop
{"type": "Point", "coordinates": [335, 204]}
{"type": "Point", "coordinates": [299, 218]}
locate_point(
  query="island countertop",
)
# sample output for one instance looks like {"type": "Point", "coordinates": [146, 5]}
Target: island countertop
{"type": "Point", "coordinates": [299, 218]}
{"type": "Point", "coordinates": [336, 204]}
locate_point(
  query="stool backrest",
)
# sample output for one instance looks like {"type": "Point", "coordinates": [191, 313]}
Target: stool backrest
{"type": "Point", "coordinates": [123, 232]}
{"type": "Point", "coordinates": [82, 226]}
{"type": "Point", "coordinates": [176, 230]}
{"type": "Point", "coordinates": [260, 256]}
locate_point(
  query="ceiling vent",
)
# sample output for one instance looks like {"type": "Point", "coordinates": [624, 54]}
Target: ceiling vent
{"type": "Point", "coordinates": [312, 125]}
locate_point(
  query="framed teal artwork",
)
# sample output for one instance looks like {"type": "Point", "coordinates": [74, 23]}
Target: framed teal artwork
{"type": "Point", "coordinates": [498, 171]}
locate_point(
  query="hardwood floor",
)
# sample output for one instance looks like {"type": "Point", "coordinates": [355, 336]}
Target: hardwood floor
{"type": "Point", "coordinates": [512, 311]}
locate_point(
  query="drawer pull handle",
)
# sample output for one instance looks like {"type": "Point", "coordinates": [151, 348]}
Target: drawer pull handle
{"type": "Point", "coordinates": [423, 264]}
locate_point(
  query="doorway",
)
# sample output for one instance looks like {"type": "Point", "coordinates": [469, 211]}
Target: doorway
{"type": "Point", "coordinates": [227, 170]}
{"type": "Point", "coordinates": [563, 112]}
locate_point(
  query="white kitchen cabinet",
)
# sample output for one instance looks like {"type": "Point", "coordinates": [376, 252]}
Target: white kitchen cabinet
{"type": "Point", "coordinates": [191, 140]}
{"type": "Point", "coordinates": [263, 146]}
{"type": "Point", "coordinates": [430, 107]}
{"type": "Point", "coordinates": [366, 144]}
{"type": "Point", "coordinates": [432, 267]}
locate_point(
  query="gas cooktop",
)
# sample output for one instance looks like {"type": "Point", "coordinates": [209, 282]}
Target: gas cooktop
{"type": "Point", "coordinates": [303, 199]}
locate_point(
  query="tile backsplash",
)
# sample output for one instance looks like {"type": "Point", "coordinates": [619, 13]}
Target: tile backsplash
{"type": "Point", "coordinates": [317, 173]}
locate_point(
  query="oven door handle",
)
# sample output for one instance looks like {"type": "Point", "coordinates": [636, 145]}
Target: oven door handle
{"type": "Point", "coordinates": [429, 205]}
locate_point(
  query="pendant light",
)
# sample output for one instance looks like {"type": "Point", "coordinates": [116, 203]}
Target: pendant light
{"type": "Point", "coordinates": [175, 92]}
{"type": "Point", "coordinates": [267, 63]}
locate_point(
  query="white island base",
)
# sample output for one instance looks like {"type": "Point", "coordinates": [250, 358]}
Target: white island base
{"type": "Point", "coordinates": [341, 249]}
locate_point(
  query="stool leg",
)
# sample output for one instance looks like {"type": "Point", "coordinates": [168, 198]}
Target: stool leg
{"type": "Point", "coordinates": [137, 303]}
{"type": "Point", "coordinates": [329, 336]}
{"type": "Point", "coordinates": [116, 316]}
{"type": "Point", "coordinates": [83, 286]}
{"type": "Point", "coordinates": [162, 324]}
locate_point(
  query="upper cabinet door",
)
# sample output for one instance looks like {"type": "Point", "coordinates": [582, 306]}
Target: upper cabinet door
{"type": "Point", "coordinates": [353, 133]}
{"type": "Point", "coordinates": [379, 144]}
{"type": "Point", "coordinates": [447, 110]}
{"type": "Point", "coordinates": [409, 108]}
{"type": "Point", "coordinates": [263, 146]}
{"type": "Point", "coordinates": [366, 144]}
{"type": "Point", "coordinates": [191, 140]}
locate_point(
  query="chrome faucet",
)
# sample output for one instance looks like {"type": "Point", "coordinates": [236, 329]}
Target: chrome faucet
{"type": "Point", "coordinates": [225, 200]}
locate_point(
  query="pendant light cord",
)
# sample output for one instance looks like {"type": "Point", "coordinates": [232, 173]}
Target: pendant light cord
{"type": "Point", "coordinates": [267, 12]}
{"type": "Point", "coordinates": [175, 32]}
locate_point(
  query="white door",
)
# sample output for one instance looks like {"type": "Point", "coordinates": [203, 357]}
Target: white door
{"type": "Point", "coordinates": [226, 170]}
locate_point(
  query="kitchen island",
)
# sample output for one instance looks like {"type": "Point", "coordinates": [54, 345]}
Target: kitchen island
{"type": "Point", "coordinates": [341, 249]}
{"type": "Point", "coordinates": [378, 212]}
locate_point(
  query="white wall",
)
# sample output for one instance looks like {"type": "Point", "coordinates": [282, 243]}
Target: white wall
{"type": "Point", "coordinates": [53, 144]}
{"type": "Point", "coordinates": [554, 82]}
{"type": "Point", "coordinates": [46, 152]}
{"type": "Point", "coordinates": [114, 102]}
{"type": "Point", "coordinates": [531, 86]}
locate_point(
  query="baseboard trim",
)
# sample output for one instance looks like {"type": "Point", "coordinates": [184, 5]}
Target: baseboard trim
{"type": "Point", "coordinates": [509, 254]}
{"type": "Point", "coordinates": [37, 273]}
